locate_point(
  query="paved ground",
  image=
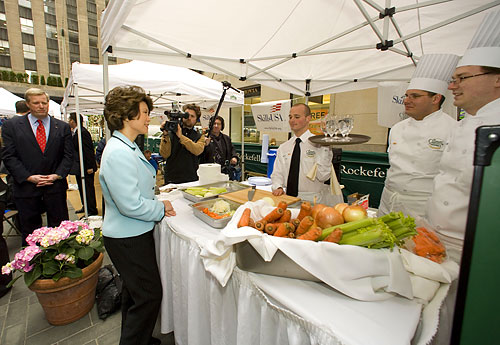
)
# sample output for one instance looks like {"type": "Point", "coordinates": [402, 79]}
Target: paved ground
{"type": "Point", "coordinates": [22, 321]}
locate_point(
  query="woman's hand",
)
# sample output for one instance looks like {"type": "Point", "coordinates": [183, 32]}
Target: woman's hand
{"type": "Point", "coordinates": [169, 210]}
{"type": "Point", "coordinates": [279, 191]}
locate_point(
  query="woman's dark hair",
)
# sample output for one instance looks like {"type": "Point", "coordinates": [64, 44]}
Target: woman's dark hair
{"type": "Point", "coordinates": [122, 103]}
{"type": "Point", "coordinates": [212, 121]}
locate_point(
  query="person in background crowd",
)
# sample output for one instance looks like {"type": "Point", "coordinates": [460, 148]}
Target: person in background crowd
{"type": "Point", "coordinates": [98, 151]}
{"type": "Point", "coordinates": [152, 161]}
{"type": "Point", "coordinates": [218, 146]}
{"type": "Point", "coordinates": [128, 181]}
{"type": "Point", "coordinates": [297, 157]}
{"type": "Point", "coordinates": [4, 251]}
{"type": "Point", "coordinates": [38, 153]}
{"type": "Point", "coordinates": [22, 108]}
{"type": "Point", "coordinates": [424, 134]}
{"type": "Point", "coordinates": [89, 163]}
{"type": "Point", "coordinates": [181, 149]}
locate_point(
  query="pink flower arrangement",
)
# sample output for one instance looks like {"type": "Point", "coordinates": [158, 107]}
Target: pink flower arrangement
{"type": "Point", "coordinates": [57, 252]}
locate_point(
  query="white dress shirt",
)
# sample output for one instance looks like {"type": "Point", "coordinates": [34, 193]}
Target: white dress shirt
{"type": "Point", "coordinates": [415, 149]}
{"type": "Point", "coordinates": [309, 155]}
{"type": "Point", "coordinates": [448, 206]}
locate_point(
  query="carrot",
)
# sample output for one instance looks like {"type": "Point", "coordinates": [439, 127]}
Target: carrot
{"type": "Point", "coordinates": [285, 218]}
{"type": "Point", "coordinates": [304, 225]}
{"type": "Point", "coordinates": [283, 205]}
{"type": "Point", "coordinates": [312, 235]}
{"type": "Point", "coordinates": [428, 245]}
{"type": "Point", "coordinates": [271, 228]}
{"type": "Point", "coordinates": [291, 234]}
{"type": "Point", "coordinates": [295, 222]}
{"type": "Point", "coordinates": [245, 218]}
{"type": "Point", "coordinates": [305, 210]}
{"type": "Point", "coordinates": [274, 215]}
{"type": "Point", "coordinates": [335, 236]}
{"type": "Point", "coordinates": [260, 225]}
{"type": "Point", "coordinates": [283, 230]}
{"type": "Point", "coordinates": [251, 223]}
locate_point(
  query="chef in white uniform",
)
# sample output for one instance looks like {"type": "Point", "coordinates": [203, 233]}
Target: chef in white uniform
{"type": "Point", "coordinates": [476, 89]}
{"type": "Point", "coordinates": [417, 143]}
{"type": "Point", "coordinates": [315, 161]}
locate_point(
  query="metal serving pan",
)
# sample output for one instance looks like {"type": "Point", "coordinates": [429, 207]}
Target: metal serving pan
{"type": "Point", "coordinates": [231, 186]}
{"type": "Point", "coordinates": [281, 265]}
{"type": "Point", "coordinates": [215, 223]}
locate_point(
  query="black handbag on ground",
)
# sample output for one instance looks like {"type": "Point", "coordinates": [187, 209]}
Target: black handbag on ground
{"type": "Point", "coordinates": [108, 291]}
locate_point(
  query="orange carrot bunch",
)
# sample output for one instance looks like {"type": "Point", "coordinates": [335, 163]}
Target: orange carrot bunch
{"type": "Point", "coordinates": [428, 245]}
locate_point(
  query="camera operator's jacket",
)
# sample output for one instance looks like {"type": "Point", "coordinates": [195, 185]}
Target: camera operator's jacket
{"type": "Point", "coordinates": [181, 155]}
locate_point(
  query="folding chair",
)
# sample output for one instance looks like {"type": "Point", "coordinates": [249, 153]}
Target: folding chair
{"type": "Point", "coordinates": [10, 217]}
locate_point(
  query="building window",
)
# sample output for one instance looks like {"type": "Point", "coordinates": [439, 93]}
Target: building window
{"type": "Point", "coordinates": [29, 51]}
{"type": "Point", "coordinates": [73, 37]}
{"type": "Point", "coordinates": [2, 7]}
{"type": "Point", "coordinates": [4, 48]}
{"type": "Point", "coordinates": [94, 61]}
{"type": "Point", "coordinates": [72, 12]}
{"type": "Point", "coordinates": [111, 60]}
{"type": "Point", "coordinates": [74, 57]}
{"type": "Point", "coordinates": [93, 30]}
{"type": "Point", "coordinates": [51, 31]}
{"type": "Point", "coordinates": [29, 64]}
{"type": "Point", "coordinates": [72, 25]}
{"type": "Point", "coordinates": [5, 61]}
{"type": "Point", "coordinates": [52, 44]}
{"type": "Point", "coordinates": [94, 52]}
{"type": "Point", "coordinates": [74, 49]}
{"type": "Point", "coordinates": [24, 3]}
{"type": "Point", "coordinates": [25, 12]}
{"type": "Point", "coordinates": [3, 17]}
{"type": "Point", "coordinates": [53, 55]}
{"type": "Point", "coordinates": [49, 6]}
{"type": "Point", "coordinates": [26, 25]}
{"type": "Point", "coordinates": [28, 39]}
{"type": "Point", "coordinates": [91, 7]}
{"type": "Point", "coordinates": [93, 41]}
{"type": "Point", "coordinates": [54, 68]}
{"type": "Point", "coordinates": [71, 3]}
{"type": "Point", "coordinates": [50, 19]}
{"type": "Point", "coordinates": [3, 34]}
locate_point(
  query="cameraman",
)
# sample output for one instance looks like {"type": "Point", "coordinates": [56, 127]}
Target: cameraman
{"type": "Point", "coordinates": [182, 148]}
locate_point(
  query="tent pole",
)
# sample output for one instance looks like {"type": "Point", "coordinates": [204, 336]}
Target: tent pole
{"type": "Point", "coordinates": [105, 89]}
{"type": "Point", "coordinates": [80, 151]}
{"type": "Point", "coordinates": [243, 141]}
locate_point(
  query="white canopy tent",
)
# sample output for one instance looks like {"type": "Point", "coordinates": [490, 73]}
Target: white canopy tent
{"type": "Point", "coordinates": [8, 104]}
{"type": "Point", "coordinates": [309, 47]}
{"type": "Point", "coordinates": [166, 85]}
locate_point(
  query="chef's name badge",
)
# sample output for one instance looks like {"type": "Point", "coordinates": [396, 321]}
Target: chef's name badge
{"type": "Point", "coordinates": [310, 153]}
{"type": "Point", "coordinates": [436, 144]}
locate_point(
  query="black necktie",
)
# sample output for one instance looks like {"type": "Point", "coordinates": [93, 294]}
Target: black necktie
{"type": "Point", "coordinates": [292, 185]}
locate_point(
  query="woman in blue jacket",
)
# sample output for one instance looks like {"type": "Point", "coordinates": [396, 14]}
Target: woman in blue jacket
{"type": "Point", "coordinates": [128, 185]}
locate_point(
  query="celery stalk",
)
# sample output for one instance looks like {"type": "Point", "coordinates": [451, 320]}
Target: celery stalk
{"type": "Point", "coordinates": [348, 227]}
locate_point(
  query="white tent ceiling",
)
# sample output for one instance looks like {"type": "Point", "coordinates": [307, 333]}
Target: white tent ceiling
{"type": "Point", "coordinates": [284, 43]}
{"type": "Point", "coordinates": [165, 84]}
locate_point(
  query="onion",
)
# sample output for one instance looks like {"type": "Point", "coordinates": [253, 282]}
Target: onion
{"type": "Point", "coordinates": [316, 208]}
{"type": "Point", "coordinates": [328, 217]}
{"type": "Point", "coordinates": [340, 207]}
{"type": "Point", "coordinates": [354, 212]}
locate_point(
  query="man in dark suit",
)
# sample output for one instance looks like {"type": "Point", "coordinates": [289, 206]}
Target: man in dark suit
{"type": "Point", "coordinates": [38, 153]}
{"type": "Point", "coordinates": [89, 164]}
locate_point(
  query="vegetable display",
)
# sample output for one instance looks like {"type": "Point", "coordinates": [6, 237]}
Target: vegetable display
{"type": "Point", "coordinates": [323, 223]}
{"type": "Point", "coordinates": [205, 192]}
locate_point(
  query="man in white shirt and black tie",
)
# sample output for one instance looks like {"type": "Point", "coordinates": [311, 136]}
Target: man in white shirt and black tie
{"type": "Point", "coordinates": [297, 156]}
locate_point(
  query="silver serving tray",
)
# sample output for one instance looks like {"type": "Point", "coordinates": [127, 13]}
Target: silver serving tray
{"type": "Point", "coordinates": [231, 186]}
{"type": "Point", "coordinates": [248, 259]}
{"type": "Point", "coordinates": [214, 223]}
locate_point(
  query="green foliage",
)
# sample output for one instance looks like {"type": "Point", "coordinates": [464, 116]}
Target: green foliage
{"type": "Point", "coordinates": [20, 77]}
{"type": "Point", "coordinates": [35, 79]}
{"type": "Point", "coordinates": [5, 75]}
{"type": "Point", "coordinates": [12, 76]}
{"type": "Point", "coordinates": [42, 80]}
{"type": "Point", "coordinates": [66, 82]}
{"type": "Point", "coordinates": [59, 82]}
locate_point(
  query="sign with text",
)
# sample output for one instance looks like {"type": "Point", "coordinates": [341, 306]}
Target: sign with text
{"type": "Point", "coordinates": [390, 103]}
{"type": "Point", "coordinates": [272, 116]}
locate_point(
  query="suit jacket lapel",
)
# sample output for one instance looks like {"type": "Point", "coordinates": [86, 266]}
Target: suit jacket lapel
{"type": "Point", "coordinates": [54, 128]}
{"type": "Point", "coordinates": [25, 126]}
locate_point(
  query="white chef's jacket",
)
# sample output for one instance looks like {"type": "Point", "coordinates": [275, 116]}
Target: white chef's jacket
{"type": "Point", "coordinates": [309, 155]}
{"type": "Point", "coordinates": [415, 149]}
{"type": "Point", "coordinates": [448, 206]}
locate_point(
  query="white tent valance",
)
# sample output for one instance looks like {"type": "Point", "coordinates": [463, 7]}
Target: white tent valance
{"type": "Point", "coordinates": [299, 46]}
{"type": "Point", "coordinates": [165, 84]}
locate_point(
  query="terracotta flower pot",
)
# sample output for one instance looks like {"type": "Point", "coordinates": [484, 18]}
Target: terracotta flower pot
{"type": "Point", "coordinates": [68, 299]}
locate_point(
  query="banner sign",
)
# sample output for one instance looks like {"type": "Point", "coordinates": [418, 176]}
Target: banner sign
{"type": "Point", "coordinates": [390, 103]}
{"type": "Point", "coordinates": [272, 116]}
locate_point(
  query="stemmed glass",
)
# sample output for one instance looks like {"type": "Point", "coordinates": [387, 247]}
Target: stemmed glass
{"type": "Point", "coordinates": [345, 125]}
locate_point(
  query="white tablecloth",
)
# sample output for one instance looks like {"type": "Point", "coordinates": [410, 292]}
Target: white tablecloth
{"type": "Point", "coordinates": [258, 309]}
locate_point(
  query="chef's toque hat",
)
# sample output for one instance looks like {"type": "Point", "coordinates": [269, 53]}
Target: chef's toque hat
{"type": "Point", "coordinates": [433, 73]}
{"type": "Point", "coordinates": [484, 48]}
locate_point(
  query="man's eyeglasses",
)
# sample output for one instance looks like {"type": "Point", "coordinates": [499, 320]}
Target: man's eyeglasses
{"type": "Point", "coordinates": [413, 96]}
{"type": "Point", "coordinates": [458, 80]}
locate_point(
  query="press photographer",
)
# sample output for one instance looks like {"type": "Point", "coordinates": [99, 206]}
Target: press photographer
{"type": "Point", "coordinates": [181, 145]}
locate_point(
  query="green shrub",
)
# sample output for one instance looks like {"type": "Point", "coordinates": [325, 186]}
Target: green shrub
{"type": "Point", "coordinates": [5, 75]}
{"type": "Point", "coordinates": [59, 82]}
{"type": "Point", "coordinates": [42, 80]}
{"type": "Point", "coordinates": [12, 76]}
{"type": "Point", "coordinates": [34, 79]}
{"type": "Point", "coordinates": [66, 82]}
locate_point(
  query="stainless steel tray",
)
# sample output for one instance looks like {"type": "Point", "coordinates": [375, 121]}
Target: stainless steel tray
{"type": "Point", "coordinates": [231, 186]}
{"type": "Point", "coordinates": [281, 265]}
{"type": "Point", "coordinates": [215, 223]}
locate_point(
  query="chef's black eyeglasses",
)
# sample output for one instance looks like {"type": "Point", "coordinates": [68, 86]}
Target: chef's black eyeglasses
{"type": "Point", "coordinates": [458, 80]}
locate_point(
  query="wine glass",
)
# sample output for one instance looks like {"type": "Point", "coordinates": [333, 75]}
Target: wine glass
{"type": "Point", "coordinates": [345, 126]}
{"type": "Point", "coordinates": [324, 127]}
{"type": "Point", "coordinates": [331, 127]}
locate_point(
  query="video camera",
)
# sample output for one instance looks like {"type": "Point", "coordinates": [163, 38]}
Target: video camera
{"type": "Point", "coordinates": [175, 118]}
